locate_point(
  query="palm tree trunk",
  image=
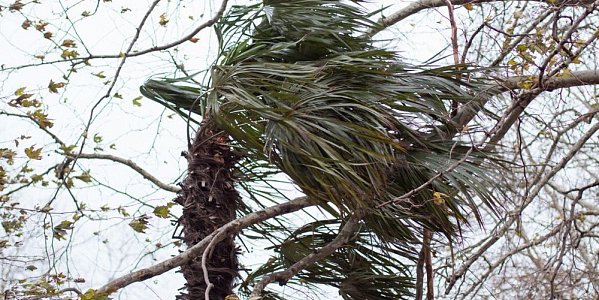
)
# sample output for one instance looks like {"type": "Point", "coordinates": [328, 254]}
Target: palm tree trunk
{"type": "Point", "coordinates": [209, 201]}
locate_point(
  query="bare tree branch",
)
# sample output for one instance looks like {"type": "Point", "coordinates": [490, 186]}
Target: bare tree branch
{"type": "Point", "coordinates": [468, 111]}
{"type": "Point", "coordinates": [514, 215]}
{"type": "Point", "coordinates": [418, 6]}
{"type": "Point", "coordinates": [43, 128]}
{"type": "Point", "coordinates": [129, 163]}
{"type": "Point", "coordinates": [230, 228]}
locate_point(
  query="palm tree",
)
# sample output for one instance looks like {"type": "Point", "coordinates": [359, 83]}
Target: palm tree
{"type": "Point", "coordinates": [300, 90]}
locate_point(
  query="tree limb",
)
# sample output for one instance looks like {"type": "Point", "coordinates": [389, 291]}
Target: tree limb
{"type": "Point", "coordinates": [130, 164]}
{"type": "Point", "coordinates": [341, 239]}
{"type": "Point", "coordinates": [468, 111]}
{"type": "Point", "coordinates": [418, 6]}
{"type": "Point", "coordinates": [230, 228]}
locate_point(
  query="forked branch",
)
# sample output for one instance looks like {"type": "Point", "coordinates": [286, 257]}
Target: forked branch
{"type": "Point", "coordinates": [341, 239]}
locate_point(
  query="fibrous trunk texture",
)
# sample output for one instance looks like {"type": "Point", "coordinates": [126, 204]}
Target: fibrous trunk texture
{"type": "Point", "coordinates": [209, 201]}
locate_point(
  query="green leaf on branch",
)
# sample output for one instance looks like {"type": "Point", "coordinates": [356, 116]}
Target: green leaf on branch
{"type": "Point", "coordinates": [85, 177]}
{"type": "Point", "coordinates": [60, 230]}
{"type": "Point", "coordinates": [20, 91]}
{"type": "Point", "coordinates": [99, 75]}
{"type": "Point", "coordinates": [91, 295]}
{"type": "Point", "coordinates": [67, 149]}
{"type": "Point", "coordinates": [163, 210]}
{"type": "Point", "coordinates": [136, 101]}
{"type": "Point", "coordinates": [69, 54]}
{"type": "Point", "coordinates": [54, 86]}
{"type": "Point", "coordinates": [140, 224]}
{"type": "Point", "coordinates": [41, 118]}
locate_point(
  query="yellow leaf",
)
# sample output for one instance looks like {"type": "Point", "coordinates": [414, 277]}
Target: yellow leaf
{"type": "Point", "coordinates": [69, 43]}
{"type": "Point", "coordinates": [33, 153]}
{"type": "Point", "coordinates": [54, 86]}
{"type": "Point", "coordinates": [85, 177]}
{"type": "Point", "coordinates": [161, 211]}
{"type": "Point", "coordinates": [468, 6]}
{"type": "Point", "coordinates": [526, 84]}
{"type": "Point", "coordinates": [100, 75]}
{"type": "Point", "coordinates": [140, 224]}
{"type": "Point", "coordinates": [69, 54]}
{"type": "Point", "coordinates": [439, 198]}
{"type": "Point", "coordinates": [163, 20]}
{"type": "Point", "coordinates": [20, 91]}
{"type": "Point", "coordinates": [41, 118]}
{"type": "Point", "coordinates": [565, 74]}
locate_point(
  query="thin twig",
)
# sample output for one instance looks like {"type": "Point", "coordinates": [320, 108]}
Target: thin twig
{"type": "Point", "coordinates": [129, 163]}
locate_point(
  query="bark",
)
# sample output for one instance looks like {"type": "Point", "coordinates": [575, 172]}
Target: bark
{"type": "Point", "coordinates": [209, 201]}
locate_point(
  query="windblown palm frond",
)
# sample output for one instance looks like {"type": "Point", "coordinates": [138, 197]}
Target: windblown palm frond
{"type": "Point", "coordinates": [302, 91]}
{"type": "Point", "coordinates": [181, 99]}
{"type": "Point", "coordinates": [357, 270]}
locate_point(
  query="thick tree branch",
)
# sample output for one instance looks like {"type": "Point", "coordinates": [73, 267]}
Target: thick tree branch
{"type": "Point", "coordinates": [230, 228]}
{"type": "Point", "coordinates": [418, 6]}
{"type": "Point", "coordinates": [468, 111]}
{"type": "Point", "coordinates": [129, 163]}
{"type": "Point", "coordinates": [341, 239]}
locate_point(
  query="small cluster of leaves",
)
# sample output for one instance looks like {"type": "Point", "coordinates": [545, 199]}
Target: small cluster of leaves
{"type": "Point", "coordinates": [533, 49]}
{"type": "Point", "coordinates": [24, 99]}
{"type": "Point", "coordinates": [6, 156]}
{"type": "Point", "coordinates": [48, 286]}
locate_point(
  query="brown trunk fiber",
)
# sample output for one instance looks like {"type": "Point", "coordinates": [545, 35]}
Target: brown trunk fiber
{"type": "Point", "coordinates": [209, 201]}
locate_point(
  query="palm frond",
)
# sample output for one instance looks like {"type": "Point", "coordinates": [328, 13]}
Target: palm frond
{"type": "Point", "coordinates": [302, 91]}
{"type": "Point", "coordinates": [365, 268]}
